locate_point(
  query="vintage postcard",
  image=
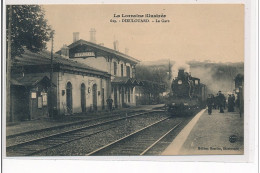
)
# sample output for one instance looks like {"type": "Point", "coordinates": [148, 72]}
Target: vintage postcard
{"type": "Point", "coordinates": [125, 80]}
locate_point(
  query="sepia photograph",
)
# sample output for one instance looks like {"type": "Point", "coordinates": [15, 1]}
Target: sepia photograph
{"type": "Point", "coordinates": [124, 80]}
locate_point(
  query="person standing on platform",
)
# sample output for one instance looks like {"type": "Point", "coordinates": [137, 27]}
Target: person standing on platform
{"type": "Point", "coordinates": [209, 104]}
{"type": "Point", "coordinates": [217, 101]}
{"type": "Point", "coordinates": [110, 103]}
{"type": "Point", "coordinates": [214, 102]}
{"type": "Point", "coordinates": [224, 102]}
{"type": "Point", "coordinates": [233, 102]}
{"type": "Point", "coordinates": [221, 99]}
{"type": "Point", "coordinates": [238, 102]}
{"type": "Point", "coordinates": [230, 103]}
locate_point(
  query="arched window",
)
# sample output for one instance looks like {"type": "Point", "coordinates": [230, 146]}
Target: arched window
{"type": "Point", "coordinates": [128, 71]}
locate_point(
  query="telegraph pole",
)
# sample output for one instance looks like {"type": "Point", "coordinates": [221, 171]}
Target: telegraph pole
{"type": "Point", "coordinates": [51, 75]}
{"type": "Point", "coordinates": [9, 64]}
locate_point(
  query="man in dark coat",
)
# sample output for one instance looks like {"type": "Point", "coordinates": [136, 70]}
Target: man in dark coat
{"type": "Point", "coordinates": [109, 103]}
{"type": "Point", "coordinates": [214, 102]}
{"type": "Point", "coordinates": [221, 100]}
{"type": "Point", "coordinates": [233, 102]}
{"type": "Point", "coordinates": [230, 103]}
{"type": "Point", "coordinates": [209, 103]}
{"type": "Point", "coordinates": [224, 101]}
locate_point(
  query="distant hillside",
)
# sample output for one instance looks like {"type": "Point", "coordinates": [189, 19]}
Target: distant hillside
{"type": "Point", "coordinates": [158, 62]}
{"type": "Point", "coordinates": [194, 62]}
{"type": "Point", "coordinates": [217, 76]}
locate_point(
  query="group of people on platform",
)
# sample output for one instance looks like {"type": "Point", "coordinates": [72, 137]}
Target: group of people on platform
{"type": "Point", "coordinates": [219, 102]}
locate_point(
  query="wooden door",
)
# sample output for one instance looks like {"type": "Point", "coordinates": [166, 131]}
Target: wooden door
{"type": "Point", "coordinates": [103, 98]}
{"type": "Point", "coordinates": [115, 97]}
{"type": "Point", "coordinates": [94, 92]}
{"type": "Point", "coordinates": [83, 97]}
{"type": "Point", "coordinates": [69, 97]}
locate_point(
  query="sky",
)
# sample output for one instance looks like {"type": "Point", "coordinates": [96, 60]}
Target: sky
{"type": "Point", "coordinates": [195, 32]}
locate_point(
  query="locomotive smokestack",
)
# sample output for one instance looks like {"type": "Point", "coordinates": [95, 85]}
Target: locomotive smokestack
{"type": "Point", "coordinates": [181, 73]}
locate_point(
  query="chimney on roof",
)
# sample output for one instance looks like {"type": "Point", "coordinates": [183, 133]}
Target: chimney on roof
{"type": "Point", "coordinates": [116, 45]}
{"type": "Point", "coordinates": [92, 35]}
{"type": "Point", "coordinates": [75, 36]}
{"type": "Point", "coordinates": [126, 51]}
{"type": "Point", "coordinates": [65, 51]}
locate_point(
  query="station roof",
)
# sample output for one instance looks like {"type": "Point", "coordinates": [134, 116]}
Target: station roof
{"type": "Point", "coordinates": [43, 57]}
{"type": "Point", "coordinates": [103, 49]}
{"type": "Point", "coordinates": [30, 80]}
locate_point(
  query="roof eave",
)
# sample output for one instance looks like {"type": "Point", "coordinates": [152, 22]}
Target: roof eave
{"type": "Point", "coordinates": [127, 57]}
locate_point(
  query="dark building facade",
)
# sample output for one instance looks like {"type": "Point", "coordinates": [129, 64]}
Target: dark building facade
{"type": "Point", "coordinates": [76, 87]}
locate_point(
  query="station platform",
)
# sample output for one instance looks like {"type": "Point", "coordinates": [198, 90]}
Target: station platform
{"type": "Point", "coordinates": [218, 133]}
{"type": "Point", "coordinates": [13, 128]}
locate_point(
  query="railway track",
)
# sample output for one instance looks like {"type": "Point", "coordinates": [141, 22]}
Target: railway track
{"type": "Point", "coordinates": [30, 135]}
{"type": "Point", "coordinates": [34, 146]}
{"type": "Point", "coordinates": [141, 141]}
{"type": "Point", "coordinates": [69, 124]}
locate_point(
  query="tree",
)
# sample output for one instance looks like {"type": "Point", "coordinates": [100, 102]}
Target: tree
{"type": "Point", "coordinates": [29, 28]}
{"type": "Point", "coordinates": [155, 80]}
{"type": "Point", "coordinates": [26, 27]}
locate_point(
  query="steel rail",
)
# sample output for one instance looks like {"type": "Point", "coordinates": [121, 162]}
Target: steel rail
{"type": "Point", "coordinates": [66, 125]}
{"type": "Point", "coordinates": [131, 134]}
{"type": "Point", "coordinates": [54, 146]}
{"type": "Point", "coordinates": [62, 143]}
{"type": "Point", "coordinates": [148, 148]}
{"type": "Point", "coordinates": [74, 130]}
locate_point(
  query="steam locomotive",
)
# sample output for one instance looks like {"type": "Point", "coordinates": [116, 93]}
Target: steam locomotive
{"type": "Point", "coordinates": [187, 94]}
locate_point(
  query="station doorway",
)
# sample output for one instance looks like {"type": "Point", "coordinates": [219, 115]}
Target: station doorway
{"type": "Point", "coordinates": [83, 97]}
{"type": "Point", "coordinates": [69, 97]}
{"type": "Point", "coordinates": [94, 90]}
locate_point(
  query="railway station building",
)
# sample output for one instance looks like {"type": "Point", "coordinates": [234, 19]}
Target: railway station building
{"type": "Point", "coordinates": [85, 75]}
{"type": "Point", "coordinates": [76, 87]}
{"type": "Point", "coordinates": [120, 66]}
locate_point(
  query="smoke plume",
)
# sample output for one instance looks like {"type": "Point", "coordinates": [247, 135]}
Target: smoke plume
{"type": "Point", "coordinates": [177, 66]}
